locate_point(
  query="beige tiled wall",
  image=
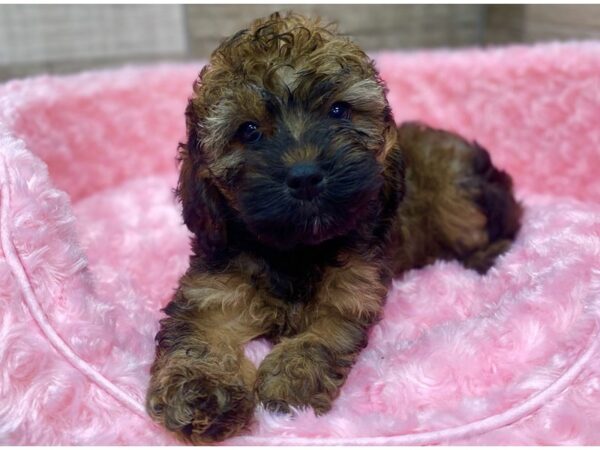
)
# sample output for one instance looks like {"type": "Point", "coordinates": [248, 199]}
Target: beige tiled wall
{"type": "Point", "coordinates": [56, 38]}
{"type": "Point", "coordinates": [543, 22]}
{"type": "Point", "coordinates": [64, 38]}
{"type": "Point", "coordinates": [38, 33]}
{"type": "Point", "coordinates": [372, 26]}
{"type": "Point", "coordinates": [535, 23]}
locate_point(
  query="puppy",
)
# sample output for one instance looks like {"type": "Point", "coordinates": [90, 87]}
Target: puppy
{"type": "Point", "coordinates": [305, 199]}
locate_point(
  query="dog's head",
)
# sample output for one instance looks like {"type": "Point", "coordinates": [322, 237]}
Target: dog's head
{"type": "Point", "coordinates": [288, 132]}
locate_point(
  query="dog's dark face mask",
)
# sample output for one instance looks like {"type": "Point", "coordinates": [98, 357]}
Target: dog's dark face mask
{"type": "Point", "coordinates": [306, 185]}
{"type": "Point", "coordinates": [294, 166]}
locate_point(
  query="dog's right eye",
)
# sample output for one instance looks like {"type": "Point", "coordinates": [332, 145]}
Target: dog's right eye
{"type": "Point", "coordinates": [249, 133]}
{"type": "Point", "coordinates": [340, 110]}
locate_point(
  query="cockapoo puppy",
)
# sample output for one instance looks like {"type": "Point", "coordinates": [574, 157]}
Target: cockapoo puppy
{"type": "Point", "coordinates": [305, 199]}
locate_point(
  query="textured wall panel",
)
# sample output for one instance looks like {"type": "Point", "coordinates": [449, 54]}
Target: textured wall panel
{"type": "Point", "coordinates": [42, 33]}
{"type": "Point", "coordinates": [373, 26]}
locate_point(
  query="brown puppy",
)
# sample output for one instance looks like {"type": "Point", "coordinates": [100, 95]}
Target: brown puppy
{"type": "Point", "coordinates": [305, 199]}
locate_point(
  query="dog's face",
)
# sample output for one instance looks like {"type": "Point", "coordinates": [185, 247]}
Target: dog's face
{"type": "Point", "coordinates": [287, 132]}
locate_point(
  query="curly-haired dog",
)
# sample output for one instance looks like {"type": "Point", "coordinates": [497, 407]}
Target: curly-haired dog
{"type": "Point", "coordinates": [305, 198]}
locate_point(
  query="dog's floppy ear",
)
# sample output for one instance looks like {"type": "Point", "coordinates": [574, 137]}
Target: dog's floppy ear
{"type": "Point", "coordinates": [203, 205]}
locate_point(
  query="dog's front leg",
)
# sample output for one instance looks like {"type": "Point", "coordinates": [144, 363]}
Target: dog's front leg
{"type": "Point", "coordinates": [309, 368]}
{"type": "Point", "coordinates": [201, 384]}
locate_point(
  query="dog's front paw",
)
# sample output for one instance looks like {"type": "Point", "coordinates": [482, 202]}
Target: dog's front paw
{"type": "Point", "coordinates": [299, 374]}
{"type": "Point", "coordinates": [199, 407]}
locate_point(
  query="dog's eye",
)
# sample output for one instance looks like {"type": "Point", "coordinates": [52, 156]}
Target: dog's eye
{"type": "Point", "coordinates": [249, 133]}
{"type": "Point", "coordinates": [340, 110]}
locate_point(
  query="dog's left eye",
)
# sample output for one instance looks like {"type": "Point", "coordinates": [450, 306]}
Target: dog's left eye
{"type": "Point", "coordinates": [340, 110]}
{"type": "Point", "coordinates": [249, 132]}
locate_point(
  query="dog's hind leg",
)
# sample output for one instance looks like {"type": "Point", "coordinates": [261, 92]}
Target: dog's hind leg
{"type": "Point", "coordinates": [457, 205]}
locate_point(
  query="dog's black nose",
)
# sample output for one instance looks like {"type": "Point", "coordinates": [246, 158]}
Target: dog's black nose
{"type": "Point", "coordinates": [305, 180]}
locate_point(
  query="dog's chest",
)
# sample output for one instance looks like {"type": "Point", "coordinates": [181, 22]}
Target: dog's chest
{"type": "Point", "coordinates": [292, 277]}
{"type": "Point", "coordinates": [293, 288]}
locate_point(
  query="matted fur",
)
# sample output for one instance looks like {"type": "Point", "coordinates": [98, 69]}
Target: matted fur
{"type": "Point", "coordinates": [453, 347]}
{"type": "Point", "coordinates": [305, 200]}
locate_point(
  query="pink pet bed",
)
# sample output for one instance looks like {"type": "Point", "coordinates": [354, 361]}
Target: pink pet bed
{"type": "Point", "coordinates": [92, 244]}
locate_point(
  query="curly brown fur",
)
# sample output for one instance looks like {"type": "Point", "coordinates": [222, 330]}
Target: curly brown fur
{"type": "Point", "coordinates": [305, 199]}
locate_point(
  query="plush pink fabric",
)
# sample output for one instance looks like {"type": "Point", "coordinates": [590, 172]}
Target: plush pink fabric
{"type": "Point", "coordinates": [92, 245]}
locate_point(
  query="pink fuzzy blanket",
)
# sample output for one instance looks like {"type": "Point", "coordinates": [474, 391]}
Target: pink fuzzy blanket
{"type": "Point", "coordinates": [92, 244]}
